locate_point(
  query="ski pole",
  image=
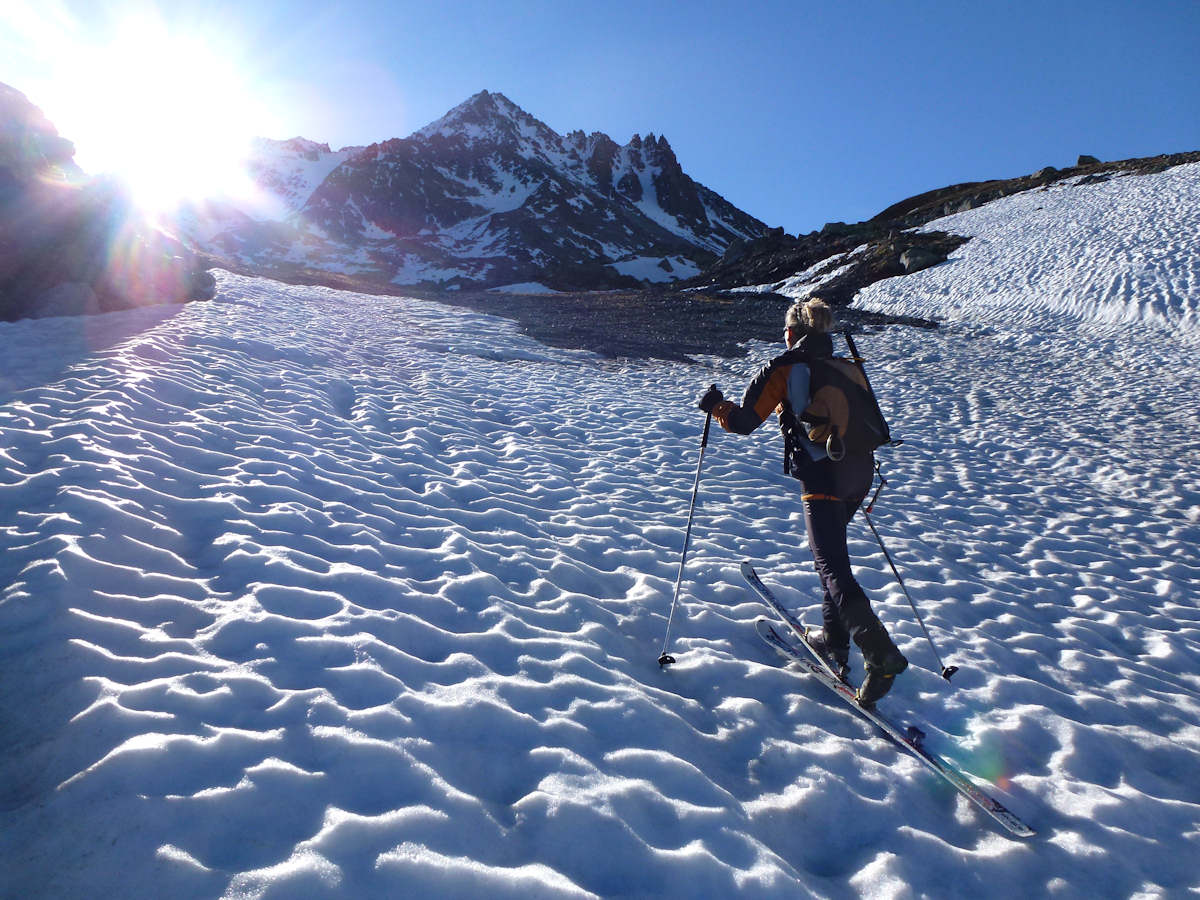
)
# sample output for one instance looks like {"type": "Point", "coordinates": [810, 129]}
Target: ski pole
{"type": "Point", "coordinates": [666, 659]}
{"type": "Point", "coordinates": [858, 361]}
{"type": "Point", "coordinates": [947, 671]}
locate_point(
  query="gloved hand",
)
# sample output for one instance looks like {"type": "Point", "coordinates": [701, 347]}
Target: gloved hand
{"type": "Point", "coordinates": [711, 398]}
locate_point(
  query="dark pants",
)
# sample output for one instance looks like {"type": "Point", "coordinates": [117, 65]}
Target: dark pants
{"type": "Point", "coordinates": [845, 608]}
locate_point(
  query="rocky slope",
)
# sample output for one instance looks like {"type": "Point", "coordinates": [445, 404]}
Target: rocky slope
{"type": "Point", "coordinates": [840, 259]}
{"type": "Point", "coordinates": [485, 196]}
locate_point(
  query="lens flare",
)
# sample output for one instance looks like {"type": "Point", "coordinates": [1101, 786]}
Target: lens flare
{"type": "Point", "coordinates": [171, 117]}
{"type": "Point", "coordinates": [164, 107]}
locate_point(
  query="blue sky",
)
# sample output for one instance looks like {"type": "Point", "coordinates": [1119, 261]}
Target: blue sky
{"type": "Point", "coordinates": [798, 112]}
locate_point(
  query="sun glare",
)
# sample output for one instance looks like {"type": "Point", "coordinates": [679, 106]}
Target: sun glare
{"type": "Point", "coordinates": [162, 109]}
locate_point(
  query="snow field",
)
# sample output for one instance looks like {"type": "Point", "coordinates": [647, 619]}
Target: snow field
{"type": "Point", "coordinates": [315, 594]}
{"type": "Point", "coordinates": [1121, 251]}
{"type": "Point", "coordinates": [336, 612]}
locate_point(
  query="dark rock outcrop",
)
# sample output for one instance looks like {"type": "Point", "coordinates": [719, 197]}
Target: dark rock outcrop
{"type": "Point", "coordinates": [922, 208]}
{"type": "Point", "coordinates": [72, 246]}
{"type": "Point", "coordinates": [914, 259]}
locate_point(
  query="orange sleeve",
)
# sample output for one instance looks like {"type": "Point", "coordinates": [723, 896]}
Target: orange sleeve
{"type": "Point", "coordinates": [773, 393]}
{"type": "Point", "coordinates": [765, 393]}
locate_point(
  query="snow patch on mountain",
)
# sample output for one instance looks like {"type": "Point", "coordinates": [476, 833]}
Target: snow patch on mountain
{"type": "Point", "coordinates": [807, 282]}
{"type": "Point", "coordinates": [289, 171]}
{"type": "Point", "coordinates": [528, 287]}
{"type": "Point", "coordinates": [657, 270]}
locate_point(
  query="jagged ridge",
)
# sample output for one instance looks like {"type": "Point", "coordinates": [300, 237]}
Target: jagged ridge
{"type": "Point", "coordinates": [489, 195]}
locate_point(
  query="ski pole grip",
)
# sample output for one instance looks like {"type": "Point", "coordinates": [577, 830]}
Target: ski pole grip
{"type": "Point", "coordinates": [707, 424]}
{"type": "Point", "coordinates": [851, 345]}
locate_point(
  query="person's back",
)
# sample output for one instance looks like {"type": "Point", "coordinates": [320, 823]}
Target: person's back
{"type": "Point", "coordinates": [833, 487]}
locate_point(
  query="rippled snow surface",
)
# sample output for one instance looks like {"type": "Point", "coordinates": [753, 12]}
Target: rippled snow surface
{"type": "Point", "coordinates": [1122, 251]}
{"type": "Point", "coordinates": [313, 594]}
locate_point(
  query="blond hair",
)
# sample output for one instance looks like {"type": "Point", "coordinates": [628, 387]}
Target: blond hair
{"type": "Point", "coordinates": [812, 316]}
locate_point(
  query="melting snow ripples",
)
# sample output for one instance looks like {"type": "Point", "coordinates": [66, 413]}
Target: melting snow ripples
{"type": "Point", "coordinates": [315, 632]}
{"type": "Point", "coordinates": [308, 593]}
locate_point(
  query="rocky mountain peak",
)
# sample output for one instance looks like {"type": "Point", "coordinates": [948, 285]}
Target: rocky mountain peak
{"type": "Point", "coordinates": [299, 147]}
{"type": "Point", "coordinates": [488, 195]}
{"type": "Point", "coordinates": [306, 148]}
{"type": "Point", "coordinates": [487, 117]}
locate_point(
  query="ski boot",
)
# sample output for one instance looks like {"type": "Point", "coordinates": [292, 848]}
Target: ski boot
{"type": "Point", "coordinates": [880, 677]}
{"type": "Point", "coordinates": [837, 660]}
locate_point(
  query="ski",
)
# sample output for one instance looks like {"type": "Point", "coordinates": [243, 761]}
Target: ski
{"type": "Point", "coordinates": [798, 628]}
{"type": "Point", "coordinates": [910, 739]}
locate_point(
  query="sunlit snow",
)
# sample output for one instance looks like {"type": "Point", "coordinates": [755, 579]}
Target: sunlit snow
{"type": "Point", "coordinates": [316, 594]}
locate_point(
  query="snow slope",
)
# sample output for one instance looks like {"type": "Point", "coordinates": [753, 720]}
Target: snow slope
{"type": "Point", "coordinates": [289, 171]}
{"type": "Point", "coordinates": [315, 594]}
{"type": "Point", "coordinates": [1121, 251]}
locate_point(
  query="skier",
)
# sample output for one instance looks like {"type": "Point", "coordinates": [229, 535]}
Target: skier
{"type": "Point", "coordinates": [832, 491]}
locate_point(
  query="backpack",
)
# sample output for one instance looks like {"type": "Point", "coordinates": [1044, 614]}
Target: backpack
{"type": "Point", "coordinates": [842, 414]}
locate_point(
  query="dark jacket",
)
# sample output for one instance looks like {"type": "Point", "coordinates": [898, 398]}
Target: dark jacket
{"type": "Point", "coordinates": [848, 479]}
